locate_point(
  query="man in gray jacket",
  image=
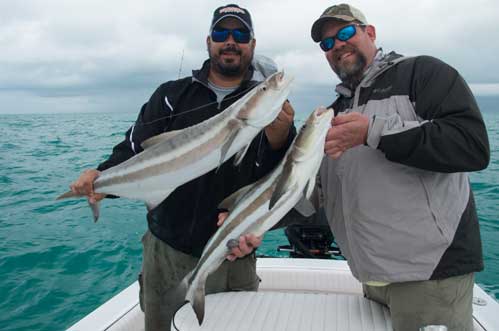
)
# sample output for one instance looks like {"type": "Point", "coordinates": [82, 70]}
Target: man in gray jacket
{"type": "Point", "coordinates": [394, 185]}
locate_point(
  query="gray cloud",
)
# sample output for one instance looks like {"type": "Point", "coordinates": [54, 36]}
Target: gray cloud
{"type": "Point", "coordinates": [89, 55]}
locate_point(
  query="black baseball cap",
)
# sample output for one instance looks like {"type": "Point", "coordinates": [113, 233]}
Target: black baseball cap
{"type": "Point", "coordinates": [232, 10]}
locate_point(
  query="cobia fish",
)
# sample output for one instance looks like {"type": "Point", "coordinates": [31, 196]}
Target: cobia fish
{"type": "Point", "coordinates": [174, 158]}
{"type": "Point", "coordinates": [258, 207]}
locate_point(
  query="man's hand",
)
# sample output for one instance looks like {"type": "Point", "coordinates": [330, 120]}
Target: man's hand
{"type": "Point", "coordinates": [348, 130]}
{"type": "Point", "coordinates": [247, 243]}
{"type": "Point", "coordinates": [84, 185]}
{"type": "Point", "coordinates": [277, 132]}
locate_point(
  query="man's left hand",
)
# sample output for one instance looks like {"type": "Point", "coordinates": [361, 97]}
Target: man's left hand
{"type": "Point", "coordinates": [277, 132]}
{"type": "Point", "coordinates": [349, 130]}
{"type": "Point", "coordinates": [247, 243]}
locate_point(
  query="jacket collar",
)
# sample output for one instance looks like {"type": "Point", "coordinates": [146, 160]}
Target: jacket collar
{"type": "Point", "coordinates": [381, 63]}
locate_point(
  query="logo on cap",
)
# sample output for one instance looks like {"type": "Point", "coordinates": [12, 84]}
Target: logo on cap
{"type": "Point", "coordinates": [232, 10]}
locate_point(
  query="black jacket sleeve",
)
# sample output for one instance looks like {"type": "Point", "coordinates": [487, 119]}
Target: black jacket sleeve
{"type": "Point", "coordinates": [454, 138]}
{"type": "Point", "coordinates": [267, 158]}
{"type": "Point", "coordinates": [152, 120]}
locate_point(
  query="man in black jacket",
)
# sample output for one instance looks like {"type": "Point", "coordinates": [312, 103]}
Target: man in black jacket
{"type": "Point", "coordinates": [394, 185]}
{"type": "Point", "coordinates": [182, 224]}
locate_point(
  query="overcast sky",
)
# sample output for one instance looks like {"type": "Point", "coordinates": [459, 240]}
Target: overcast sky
{"type": "Point", "coordinates": [99, 56]}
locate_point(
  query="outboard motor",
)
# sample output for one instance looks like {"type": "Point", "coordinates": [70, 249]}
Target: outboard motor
{"type": "Point", "coordinates": [310, 237]}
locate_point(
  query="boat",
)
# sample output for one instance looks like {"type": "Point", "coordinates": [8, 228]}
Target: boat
{"type": "Point", "coordinates": [295, 293]}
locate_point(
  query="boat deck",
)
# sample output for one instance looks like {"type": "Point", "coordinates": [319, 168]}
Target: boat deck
{"type": "Point", "coordinates": [286, 311]}
{"type": "Point", "coordinates": [295, 294]}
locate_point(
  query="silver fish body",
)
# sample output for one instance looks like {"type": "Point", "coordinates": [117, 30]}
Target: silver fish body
{"type": "Point", "coordinates": [174, 158]}
{"type": "Point", "coordinates": [256, 208]}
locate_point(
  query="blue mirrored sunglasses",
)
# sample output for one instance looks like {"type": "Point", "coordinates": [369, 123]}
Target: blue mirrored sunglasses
{"type": "Point", "coordinates": [241, 36]}
{"type": "Point", "coordinates": [343, 34]}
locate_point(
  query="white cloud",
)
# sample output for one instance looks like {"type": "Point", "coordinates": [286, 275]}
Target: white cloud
{"type": "Point", "coordinates": [93, 49]}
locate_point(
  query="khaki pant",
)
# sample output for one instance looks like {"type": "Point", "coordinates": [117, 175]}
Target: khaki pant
{"type": "Point", "coordinates": [163, 268]}
{"type": "Point", "coordinates": [433, 302]}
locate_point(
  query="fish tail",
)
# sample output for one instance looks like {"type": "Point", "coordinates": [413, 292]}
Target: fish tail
{"type": "Point", "coordinates": [93, 206]}
{"type": "Point", "coordinates": [69, 194]}
{"type": "Point", "coordinates": [177, 294]}
{"type": "Point", "coordinates": [196, 295]}
{"type": "Point", "coordinates": [95, 210]}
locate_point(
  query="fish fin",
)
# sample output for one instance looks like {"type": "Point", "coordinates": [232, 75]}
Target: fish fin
{"type": "Point", "coordinates": [95, 210]}
{"type": "Point", "coordinates": [240, 155]}
{"type": "Point", "coordinates": [153, 200]}
{"type": "Point", "coordinates": [233, 199]}
{"type": "Point", "coordinates": [284, 184]}
{"type": "Point", "coordinates": [305, 207]}
{"type": "Point", "coordinates": [178, 293]}
{"type": "Point", "coordinates": [284, 195]}
{"type": "Point", "coordinates": [198, 304]}
{"type": "Point", "coordinates": [158, 139]}
{"type": "Point", "coordinates": [196, 296]}
{"type": "Point", "coordinates": [69, 194]}
{"type": "Point", "coordinates": [93, 206]}
{"type": "Point", "coordinates": [233, 127]}
{"type": "Point", "coordinates": [309, 188]}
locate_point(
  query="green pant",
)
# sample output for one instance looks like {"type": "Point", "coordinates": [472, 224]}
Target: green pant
{"type": "Point", "coordinates": [433, 302]}
{"type": "Point", "coordinates": [163, 268]}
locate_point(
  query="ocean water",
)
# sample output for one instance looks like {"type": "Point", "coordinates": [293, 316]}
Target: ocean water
{"type": "Point", "coordinates": [57, 265]}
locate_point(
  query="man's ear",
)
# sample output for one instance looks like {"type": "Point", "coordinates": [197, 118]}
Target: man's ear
{"type": "Point", "coordinates": [371, 32]}
{"type": "Point", "coordinates": [208, 42]}
{"type": "Point", "coordinates": [253, 44]}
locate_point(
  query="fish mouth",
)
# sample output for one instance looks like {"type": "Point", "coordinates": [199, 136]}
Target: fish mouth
{"type": "Point", "coordinates": [321, 116]}
{"type": "Point", "coordinates": [321, 111]}
{"type": "Point", "coordinates": [282, 80]}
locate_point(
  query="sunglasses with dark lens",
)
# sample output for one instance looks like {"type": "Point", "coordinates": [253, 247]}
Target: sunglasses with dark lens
{"type": "Point", "coordinates": [343, 34]}
{"type": "Point", "coordinates": [241, 36]}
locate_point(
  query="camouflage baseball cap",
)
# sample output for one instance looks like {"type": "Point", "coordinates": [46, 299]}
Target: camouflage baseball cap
{"type": "Point", "coordinates": [342, 12]}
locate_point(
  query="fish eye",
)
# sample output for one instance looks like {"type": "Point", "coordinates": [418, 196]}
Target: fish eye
{"type": "Point", "coordinates": [264, 88]}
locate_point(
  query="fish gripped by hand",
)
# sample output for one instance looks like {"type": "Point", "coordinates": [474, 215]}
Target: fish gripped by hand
{"type": "Point", "coordinates": [256, 208]}
{"type": "Point", "coordinates": [174, 158]}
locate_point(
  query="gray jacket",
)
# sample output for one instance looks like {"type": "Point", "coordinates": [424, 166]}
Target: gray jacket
{"type": "Point", "coordinates": [395, 205]}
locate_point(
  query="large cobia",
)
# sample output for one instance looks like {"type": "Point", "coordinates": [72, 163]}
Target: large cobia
{"type": "Point", "coordinates": [258, 207]}
{"type": "Point", "coordinates": [174, 158]}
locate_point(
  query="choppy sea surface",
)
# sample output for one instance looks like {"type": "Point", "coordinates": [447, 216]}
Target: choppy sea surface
{"type": "Point", "coordinates": [56, 265]}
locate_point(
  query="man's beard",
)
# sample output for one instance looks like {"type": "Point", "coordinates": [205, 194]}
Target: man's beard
{"type": "Point", "coordinates": [230, 69]}
{"type": "Point", "coordinates": [351, 73]}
